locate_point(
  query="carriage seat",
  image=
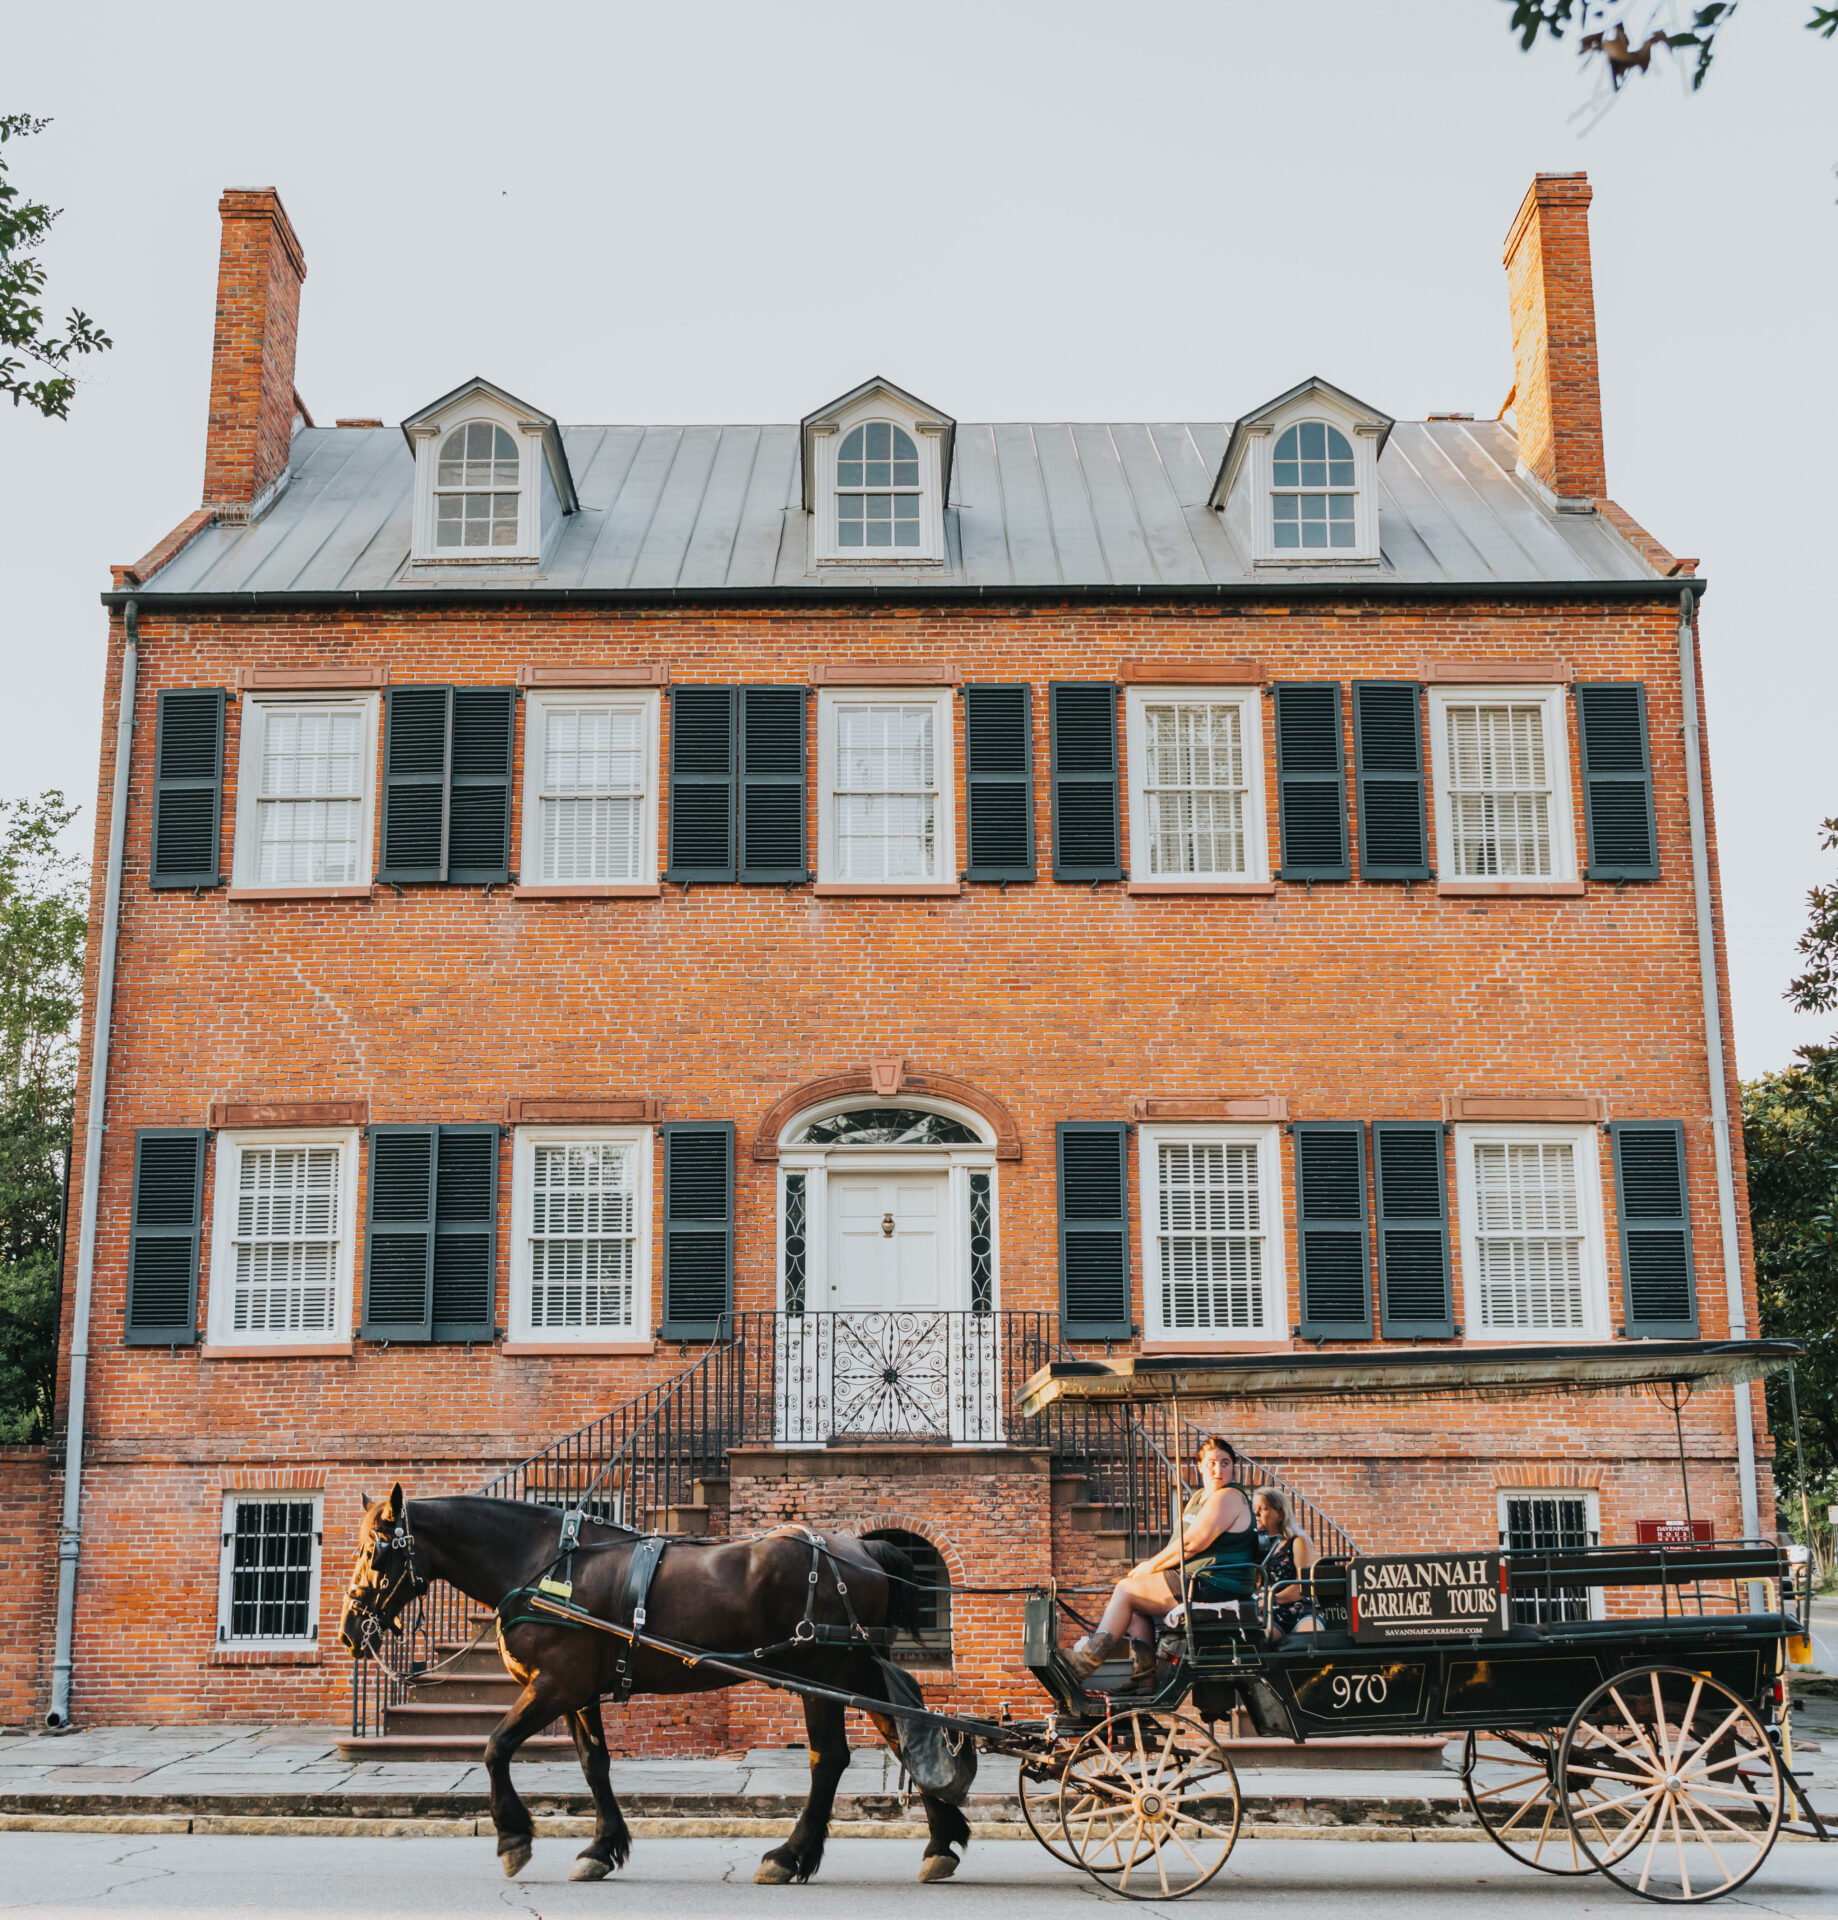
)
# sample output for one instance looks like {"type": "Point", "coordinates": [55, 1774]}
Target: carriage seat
{"type": "Point", "coordinates": [1216, 1620]}
{"type": "Point", "coordinates": [1687, 1626]}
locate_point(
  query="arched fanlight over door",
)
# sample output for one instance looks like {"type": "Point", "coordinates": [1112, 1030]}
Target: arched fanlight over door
{"type": "Point", "coordinates": [888, 1127]}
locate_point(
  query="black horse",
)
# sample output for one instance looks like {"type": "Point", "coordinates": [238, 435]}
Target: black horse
{"type": "Point", "coordinates": [728, 1597]}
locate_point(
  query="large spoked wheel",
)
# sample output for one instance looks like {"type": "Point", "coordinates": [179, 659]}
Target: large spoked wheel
{"type": "Point", "coordinates": [1149, 1806]}
{"type": "Point", "coordinates": [1040, 1782]}
{"type": "Point", "coordinates": [1509, 1779]}
{"type": "Point", "coordinates": [1688, 1790]}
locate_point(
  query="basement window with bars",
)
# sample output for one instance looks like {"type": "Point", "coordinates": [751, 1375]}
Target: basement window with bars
{"type": "Point", "coordinates": [1197, 786]}
{"type": "Point", "coordinates": [282, 1238]}
{"type": "Point", "coordinates": [268, 1571]}
{"type": "Point", "coordinates": [590, 790]}
{"type": "Point", "coordinates": [1538, 1522]}
{"type": "Point", "coordinates": [1531, 1226]}
{"type": "Point", "coordinates": [931, 1592]}
{"type": "Point", "coordinates": [304, 793]}
{"type": "Point", "coordinates": [1502, 785]}
{"type": "Point", "coordinates": [1213, 1234]}
{"type": "Point", "coordinates": [583, 1214]}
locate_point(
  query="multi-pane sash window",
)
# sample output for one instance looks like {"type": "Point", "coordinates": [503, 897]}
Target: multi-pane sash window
{"type": "Point", "coordinates": [1313, 495]}
{"type": "Point", "coordinates": [286, 1239]}
{"type": "Point", "coordinates": [1546, 1523]}
{"type": "Point", "coordinates": [591, 802]}
{"type": "Point", "coordinates": [1530, 1237]}
{"type": "Point", "coordinates": [1210, 1252]}
{"type": "Point", "coordinates": [877, 488]}
{"type": "Point", "coordinates": [583, 1235]}
{"type": "Point", "coordinates": [476, 487]}
{"type": "Point", "coordinates": [885, 803]}
{"type": "Point", "coordinates": [1195, 788]}
{"type": "Point", "coordinates": [270, 1565]}
{"type": "Point", "coordinates": [1500, 797]}
{"type": "Point", "coordinates": [311, 778]}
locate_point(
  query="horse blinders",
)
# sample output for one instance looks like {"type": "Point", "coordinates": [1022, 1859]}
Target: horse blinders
{"type": "Point", "coordinates": [395, 1579]}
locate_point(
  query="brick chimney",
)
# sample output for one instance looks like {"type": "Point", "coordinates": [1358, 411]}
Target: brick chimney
{"type": "Point", "coordinates": [252, 362]}
{"type": "Point", "coordinates": [1557, 399]}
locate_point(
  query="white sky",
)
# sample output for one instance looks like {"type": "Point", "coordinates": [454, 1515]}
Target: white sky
{"type": "Point", "coordinates": [1044, 209]}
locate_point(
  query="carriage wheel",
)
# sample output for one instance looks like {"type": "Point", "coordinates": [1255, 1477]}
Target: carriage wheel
{"type": "Point", "coordinates": [1150, 1806]}
{"type": "Point", "coordinates": [1677, 1760]}
{"type": "Point", "coordinates": [1040, 1781]}
{"type": "Point", "coordinates": [1508, 1778]}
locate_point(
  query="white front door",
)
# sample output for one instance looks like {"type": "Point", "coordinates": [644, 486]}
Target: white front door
{"type": "Point", "coordinates": [887, 1242]}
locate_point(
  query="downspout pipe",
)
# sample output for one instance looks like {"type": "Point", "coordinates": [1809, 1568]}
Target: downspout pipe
{"type": "Point", "coordinates": [1716, 1057]}
{"type": "Point", "coordinates": [69, 1534]}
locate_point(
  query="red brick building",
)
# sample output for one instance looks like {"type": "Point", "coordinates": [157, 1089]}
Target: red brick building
{"type": "Point", "coordinates": [803, 921]}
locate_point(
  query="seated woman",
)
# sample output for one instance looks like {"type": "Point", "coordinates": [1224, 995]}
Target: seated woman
{"type": "Point", "coordinates": [1288, 1554]}
{"type": "Point", "coordinates": [1219, 1542]}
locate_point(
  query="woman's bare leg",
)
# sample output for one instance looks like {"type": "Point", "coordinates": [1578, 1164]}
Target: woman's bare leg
{"type": "Point", "coordinates": [1130, 1598]}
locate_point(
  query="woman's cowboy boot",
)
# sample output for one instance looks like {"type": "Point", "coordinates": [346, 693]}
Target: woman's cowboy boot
{"type": "Point", "coordinates": [1092, 1652]}
{"type": "Point", "coordinates": [1142, 1662]}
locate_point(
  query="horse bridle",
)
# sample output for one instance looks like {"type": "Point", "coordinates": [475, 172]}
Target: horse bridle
{"type": "Point", "coordinates": [408, 1580]}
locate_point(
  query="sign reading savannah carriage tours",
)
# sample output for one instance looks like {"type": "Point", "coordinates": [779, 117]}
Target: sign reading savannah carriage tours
{"type": "Point", "coordinates": [1428, 1596]}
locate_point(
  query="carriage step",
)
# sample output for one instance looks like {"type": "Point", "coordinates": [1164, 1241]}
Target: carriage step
{"type": "Point", "coordinates": [465, 1749]}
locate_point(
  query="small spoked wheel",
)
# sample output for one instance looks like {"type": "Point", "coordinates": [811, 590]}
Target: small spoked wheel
{"type": "Point", "coordinates": [1672, 1786]}
{"type": "Point", "coordinates": [1509, 1778]}
{"type": "Point", "coordinates": [1040, 1781]}
{"type": "Point", "coordinates": [1149, 1805]}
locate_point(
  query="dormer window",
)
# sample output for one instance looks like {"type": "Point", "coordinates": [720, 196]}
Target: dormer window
{"type": "Point", "coordinates": [477, 487]}
{"type": "Point", "coordinates": [877, 488]}
{"type": "Point", "coordinates": [1313, 490]}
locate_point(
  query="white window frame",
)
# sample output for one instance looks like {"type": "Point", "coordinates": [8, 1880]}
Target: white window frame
{"type": "Point", "coordinates": [1268, 1141]}
{"type": "Point", "coordinates": [1592, 1509]}
{"type": "Point", "coordinates": [536, 708]}
{"type": "Point", "coordinates": [246, 850]}
{"type": "Point", "coordinates": [430, 438]}
{"type": "Point", "coordinates": [226, 1550]}
{"type": "Point", "coordinates": [944, 773]}
{"type": "Point", "coordinates": [1557, 767]}
{"type": "Point", "coordinates": [1261, 460]}
{"type": "Point", "coordinates": [220, 1310]}
{"type": "Point", "coordinates": [1585, 1143]}
{"type": "Point", "coordinates": [1249, 701]}
{"type": "Point", "coordinates": [825, 439]}
{"type": "Point", "coordinates": [523, 1184]}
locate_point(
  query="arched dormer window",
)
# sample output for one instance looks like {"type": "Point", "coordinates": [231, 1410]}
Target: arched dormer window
{"type": "Point", "coordinates": [877, 488]}
{"type": "Point", "coordinates": [477, 487]}
{"type": "Point", "coordinates": [1313, 494]}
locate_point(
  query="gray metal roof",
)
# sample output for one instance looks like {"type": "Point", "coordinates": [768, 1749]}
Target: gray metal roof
{"type": "Point", "coordinates": [1032, 505]}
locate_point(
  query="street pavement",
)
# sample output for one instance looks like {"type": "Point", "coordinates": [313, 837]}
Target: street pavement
{"type": "Point", "coordinates": [48, 1876]}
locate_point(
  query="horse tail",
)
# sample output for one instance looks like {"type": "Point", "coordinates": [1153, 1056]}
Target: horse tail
{"type": "Point", "coordinates": [902, 1585]}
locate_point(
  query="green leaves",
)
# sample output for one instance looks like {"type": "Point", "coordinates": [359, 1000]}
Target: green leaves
{"type": "Point", "coordinates": [23, 226]}
{"type": "Point", "coordinates": [1816, 990]}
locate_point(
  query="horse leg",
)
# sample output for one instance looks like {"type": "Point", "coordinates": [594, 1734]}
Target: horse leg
{"type": "Point", "coordinates": [535, 1707]}
{"type": "Point", "coordinates": [612, 1841]}
{"type": "Point", "coordinates": [802, 1853]}
{"type": "Point", "coordinates": [946, 1826]}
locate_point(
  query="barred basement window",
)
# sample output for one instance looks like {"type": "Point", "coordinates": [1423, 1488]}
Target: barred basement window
{"type": "Point", "coordinates": [1544, 1523]}
{"type": "Point", "coordinates": [931, 1647]}
{"type": "Point", "coordinates": [796, 1272]}
{"type": "Point", "coordinates": [268, 1580]}
{"type": "Point", "coordinates": [982, 1247]}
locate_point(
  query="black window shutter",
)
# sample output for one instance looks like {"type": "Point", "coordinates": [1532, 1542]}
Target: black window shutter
{"type": "Point", "coordinates": [698, 1229]}
{"type": "Point", "coordinates": [1659, 1285]}
{"type": "Point", "coordinates": [999, 782]}
{"type": "Point", "coordinates": [417, 747]}
{"type": "Point", "coordinates": [1094, 1230]}
{"type": "Point", "coordinates": [188, 789]}
{"type": "Point", "coordinates": [772, 804]}
{"type": "Point", "coordinates": [702, 729]}
{"type": "Point", "coordinates": [465, 1233]}
{"type": "Point", "coordinates": [399, 1246]}
{"type": "Point", "coordinates": [1087, 818]}
{"type": "Point", "coordinates": [1388, 772]}
{"type": "Point", "coordinates": [1611, 719]}
{"type": "Point", "coordinates": [1336, 1292]}
{"type": "Point", "coordinates": [479, 809]}
{"type": "Point", "coordinates": [165, 1217]}
{"type": "Point", "coordinates": [1311, 781]}
{"type": "Point", "coordinates": [1415, 1295]}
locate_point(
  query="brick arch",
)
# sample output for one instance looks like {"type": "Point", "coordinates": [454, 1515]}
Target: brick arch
{"type": "Point", "coordinates": [941, 1086]}
{"type": "Point", "coordinates": [925, 1525]}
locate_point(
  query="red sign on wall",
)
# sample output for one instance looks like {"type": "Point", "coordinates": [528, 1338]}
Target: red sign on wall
{"type": "Point", "coordinates": [1674, 1533]}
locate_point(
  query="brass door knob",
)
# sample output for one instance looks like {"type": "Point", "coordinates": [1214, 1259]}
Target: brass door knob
{"type": "Point", "coordinates": [887, 1226]}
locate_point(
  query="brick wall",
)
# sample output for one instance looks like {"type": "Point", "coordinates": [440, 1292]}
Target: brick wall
{"type": "Point", "coordinates": [29, 1492]}
{"type": "Point", "coordinates": [1557, 398]}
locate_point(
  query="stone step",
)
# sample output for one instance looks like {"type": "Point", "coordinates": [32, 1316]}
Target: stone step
{"type": "Point", "coordinates": [1112, 1543]}
{"type": "Point", "coordinates": [713, 1492]}
{"type": "Point", "coordinates": [458, 1750]}
{"type": "Point", "coordinates": [421, 1720]}
{"type": "Point", "coordinates": [467, 1689]}
{"type": "Point", "coordinates": [1089, 1517]}
{"type": "Point", "coordinates": [690, 1520]}
{"type": "Point", "coordinates": [1070, 1489]}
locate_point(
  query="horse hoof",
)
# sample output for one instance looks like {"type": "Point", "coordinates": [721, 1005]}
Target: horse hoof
{"type": "Point", "coordinates": [588, 1868]}
{"type": "Point", "coordinates": [517, 1859]}
{"type": "Point", "coordinates": [937, 1866]}
{"type": "Point", "coordinates": [772, 1873]}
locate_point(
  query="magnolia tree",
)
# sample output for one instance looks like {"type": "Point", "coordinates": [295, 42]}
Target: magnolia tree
{"type": "Point", "coordinates": [42, 379]}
